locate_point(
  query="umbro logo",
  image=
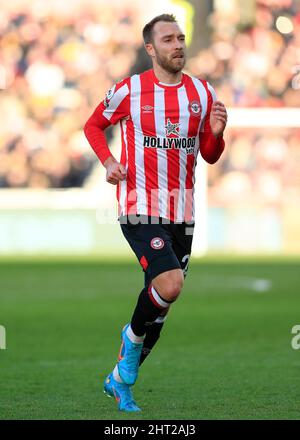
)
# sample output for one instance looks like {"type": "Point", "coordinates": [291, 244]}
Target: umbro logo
{"type": "Point", "coordinates": [147, 109]}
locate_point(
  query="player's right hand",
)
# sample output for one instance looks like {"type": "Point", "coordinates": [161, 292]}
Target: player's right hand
{"type": "Point", "coordinates": [115, 172]}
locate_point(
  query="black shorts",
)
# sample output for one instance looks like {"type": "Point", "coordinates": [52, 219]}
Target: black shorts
{"type": "Point", "coordinates": [159, 244]}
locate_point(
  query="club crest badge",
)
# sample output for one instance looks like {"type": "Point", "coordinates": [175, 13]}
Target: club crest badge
{"type": "Point", "coordinates": [157, 243]}
{"type": "Point", "coordinates": [195, 108]}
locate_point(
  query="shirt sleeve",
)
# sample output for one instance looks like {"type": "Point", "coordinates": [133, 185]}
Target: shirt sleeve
{"type": "Point", "coordinates": [211, 147]}
{"type": "Point", "coordinates": [114, 107]}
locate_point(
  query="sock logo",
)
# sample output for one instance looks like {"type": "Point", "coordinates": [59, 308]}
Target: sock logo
{"type": "Point", "coordinates": [145, 350]}
{"type": "Point", "coordinates": [157, 243]}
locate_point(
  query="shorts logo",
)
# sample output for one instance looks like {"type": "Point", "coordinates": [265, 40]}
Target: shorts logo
{"type": "Point", "coordinates": [195, 108]}
{"type": "Point", "coordinates": [157, 243]}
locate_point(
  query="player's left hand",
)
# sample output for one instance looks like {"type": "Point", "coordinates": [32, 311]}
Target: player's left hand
{"type": "Point", "coordinates": [218, 118]}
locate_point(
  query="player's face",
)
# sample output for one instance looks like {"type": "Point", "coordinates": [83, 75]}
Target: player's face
{"type": "Point", "coordinates": [168, 46]}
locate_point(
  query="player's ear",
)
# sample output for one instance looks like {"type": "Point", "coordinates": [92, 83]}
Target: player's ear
{"type": "Point", "coordinates": [150, 49]}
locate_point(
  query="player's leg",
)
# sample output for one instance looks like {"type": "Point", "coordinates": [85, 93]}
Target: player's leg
{"type": "Point", "coordinates": [153, 248]}
{"type": "Point", "coordinates": [182, 243]}
{"type": "Point", "coordinates": [156, 299]}
{"type": "Point", "coordinates": [149, 307]}
{"type": "Point", "coordinates": [153, 329]}
{"type": "Point", "coordinates": [169, 284]}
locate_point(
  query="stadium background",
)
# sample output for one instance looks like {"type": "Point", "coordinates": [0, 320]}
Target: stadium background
{"type": "Point", "coordinates": [58, 217]}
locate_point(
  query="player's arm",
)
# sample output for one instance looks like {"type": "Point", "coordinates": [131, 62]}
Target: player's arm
{"type": "Point", "coordinates": [113, 108]}
{"type": "Point", "coordinates": [211, 136]}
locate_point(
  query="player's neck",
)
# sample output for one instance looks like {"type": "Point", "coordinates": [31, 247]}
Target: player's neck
{"type": "Point", "coordinates": [167, 77]}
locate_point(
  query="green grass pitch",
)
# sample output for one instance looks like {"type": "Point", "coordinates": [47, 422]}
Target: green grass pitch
{"type": "Point", "coordinates": [225, 351]}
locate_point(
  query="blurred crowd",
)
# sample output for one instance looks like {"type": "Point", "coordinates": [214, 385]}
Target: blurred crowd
{"type": "Point", "coordinates": [254, 61]}
{"type": "Point", "coordinates": [56, 63]}
{"type": "Point", "coordinates": [261, 166]}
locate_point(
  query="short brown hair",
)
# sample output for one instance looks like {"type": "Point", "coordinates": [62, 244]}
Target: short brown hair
{"type": "Point", "coordinates": [148, 29]}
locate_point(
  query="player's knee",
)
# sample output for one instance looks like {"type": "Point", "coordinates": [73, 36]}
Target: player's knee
{"type": "Point", "coordinates": [169, 284]}
{"type": "Point", "coordinates": [171, 290]}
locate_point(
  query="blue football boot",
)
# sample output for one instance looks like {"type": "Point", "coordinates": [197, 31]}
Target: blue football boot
{"type": "Point", "coordinates": [122, 393]}
{"type": "Point", "coordinates": [129, 358]}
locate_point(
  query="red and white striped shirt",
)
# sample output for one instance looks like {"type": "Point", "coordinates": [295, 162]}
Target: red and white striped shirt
{"type": "Point", "coordinates": [163, 127]}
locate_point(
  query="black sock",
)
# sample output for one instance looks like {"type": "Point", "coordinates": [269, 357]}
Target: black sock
{"type": "Point", "coordinates": [148, 308]}
{"type": "Point", "coordinates": [152, 336]}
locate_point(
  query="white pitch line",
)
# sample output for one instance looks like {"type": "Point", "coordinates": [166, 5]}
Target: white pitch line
{"type": "Point", "coordinates": [255, 284]}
